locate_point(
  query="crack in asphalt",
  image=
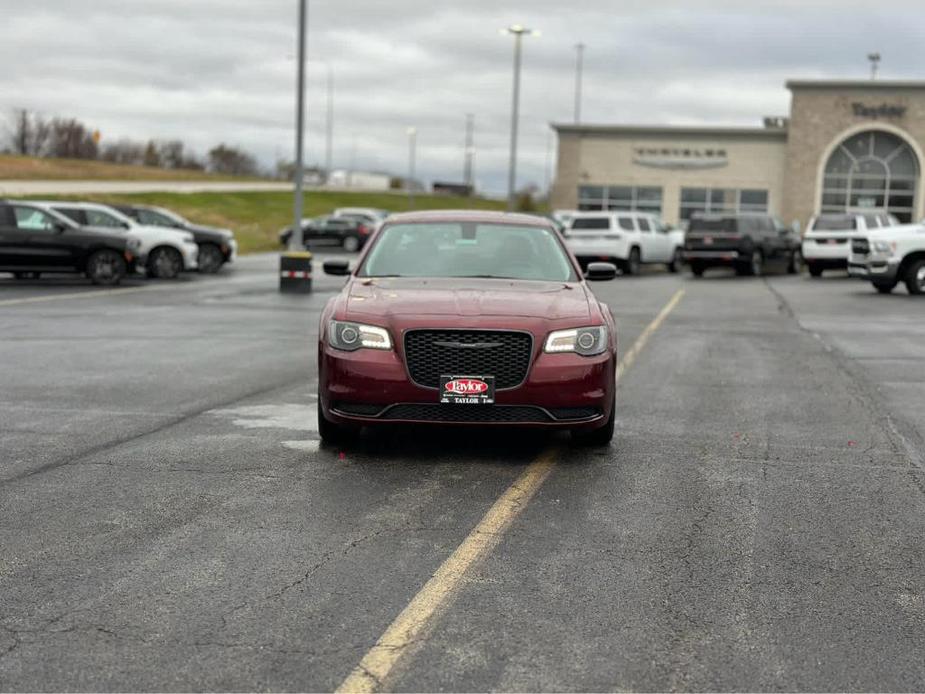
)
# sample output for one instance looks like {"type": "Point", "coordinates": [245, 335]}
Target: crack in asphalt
{"type": "Point", "coordinates": [866, 393]}
{"type": "Point", "coordinates": [174, 421]}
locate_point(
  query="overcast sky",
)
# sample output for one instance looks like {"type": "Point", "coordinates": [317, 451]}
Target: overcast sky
{"type": "Point", "coordinates": [210, 71]}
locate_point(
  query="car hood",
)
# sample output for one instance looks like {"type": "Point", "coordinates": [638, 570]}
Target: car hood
{"type": "Point", "coordinates": [406, 297]}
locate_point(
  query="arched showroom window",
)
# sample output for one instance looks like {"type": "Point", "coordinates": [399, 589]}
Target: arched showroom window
{"type": "Point", "coordinates": [871, 170]}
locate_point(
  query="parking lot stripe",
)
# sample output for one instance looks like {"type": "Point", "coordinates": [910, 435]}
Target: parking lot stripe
{"type": "Point", "coordinates": [75, 295]}
{"type": "Point", "coordinates": [378, 662]}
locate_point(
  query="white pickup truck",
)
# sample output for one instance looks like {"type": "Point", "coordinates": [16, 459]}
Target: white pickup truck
{"type": "Point", "coordinates": [626, 239]}
{"type": "Point", "coordinates": [890, 255]}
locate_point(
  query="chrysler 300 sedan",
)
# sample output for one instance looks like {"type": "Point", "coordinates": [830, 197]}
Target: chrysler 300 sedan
{"type": "Point", "coordinates": [467, 318]}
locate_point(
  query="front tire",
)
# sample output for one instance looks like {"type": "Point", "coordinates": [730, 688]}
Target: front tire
{"type": "Point", "coordinates": [697, 269]}
{"type": "Point", "coordinates": [165, 263]}
{"type": "Point", "coordinates": [915, 278]}
{"type": "Point", "coordinates": [211, 258]}
{"type": "Point", "coordinates": [754, 267]}
{"type": "Point", "coordinates": [814, 270]}
{"type": "Point", "coordinates": [885, 288]}
{"type": "Point", "coordinates": [351, 244]}
{"type": "Point", "coordinates": [602, 436]}
{"type": "Point", "coordinates": [795, 264]}
{"type": "Point", "coordinates": [677, 261]}
{"type": "Point", "coordinates": [106, 268]}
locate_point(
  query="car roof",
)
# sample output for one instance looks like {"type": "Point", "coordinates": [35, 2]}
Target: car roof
{"type": "Point", "coordinates": [478, 216]}
{"type": "Point", "coordinates": [624, 213]}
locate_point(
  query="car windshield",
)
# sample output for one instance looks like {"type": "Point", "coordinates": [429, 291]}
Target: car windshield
{"type": "Point", "coordinates": [835, 223]}
{"type": "Point", "coordinates": [468, 249]}
{"type": "Point", "coordinates": [591, 223]}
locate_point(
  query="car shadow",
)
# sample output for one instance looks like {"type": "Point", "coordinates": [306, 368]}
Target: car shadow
{"type": "Point", "coordinates": [432, 445]}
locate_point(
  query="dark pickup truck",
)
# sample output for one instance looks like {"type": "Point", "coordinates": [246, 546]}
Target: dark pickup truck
{"type": "Point", "coordinates": [35, 241]}
{"type": "Point", "coordinates": [747, 242]}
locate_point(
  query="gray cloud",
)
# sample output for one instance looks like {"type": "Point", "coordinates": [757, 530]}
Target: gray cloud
{"type": "Point", "coordinates": [223, 70]}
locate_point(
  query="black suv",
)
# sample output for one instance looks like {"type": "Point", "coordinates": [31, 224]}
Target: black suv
{"type": "Point", "coordinates": [748, 242]}
{"type": "Point", "coordinates": [216, 246]}
{"type": "Point", "coordinates": [35, 241]}
{"type": "Point", "coordinates": [348, 233]}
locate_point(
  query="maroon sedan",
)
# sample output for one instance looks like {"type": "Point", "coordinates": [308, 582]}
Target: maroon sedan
{"type": "Point", "coordinates": [467, 318]}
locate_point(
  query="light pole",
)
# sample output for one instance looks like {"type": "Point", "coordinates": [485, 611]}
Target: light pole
{"type": "Point", "coordinates": [579, 65]}
{"type": "Point", "coordinates": [468, 152]}
{"type": "Point", "coordinates": [412, 146]}
{"type": "Point", "coordinates": [295, 239]}
{"type": "Point", "coordinates": [518, 32]}
{"type": "Point", "coordinates": [874, 59]}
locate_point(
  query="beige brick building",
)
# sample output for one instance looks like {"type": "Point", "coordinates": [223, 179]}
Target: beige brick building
{"type": "Point", "coordinates": [845, 145]}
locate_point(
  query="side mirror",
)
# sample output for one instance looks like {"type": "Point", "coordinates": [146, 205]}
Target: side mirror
{"type": "Point", "coordinates": [600, 272]}
{"type": "Point", "coordinates": [60, 227]}
{"type": "Point", "coordinates": [336, 267]}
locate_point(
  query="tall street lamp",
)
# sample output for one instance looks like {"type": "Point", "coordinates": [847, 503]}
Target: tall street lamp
{"type": "Point", "coordinates": [295, 239]}
{"type": "Point", "coordinates": [579, 65]}
{"type": "Point", "coordinates": [518, 32]}
{"type": "Point", "coordinates": [412, 154]}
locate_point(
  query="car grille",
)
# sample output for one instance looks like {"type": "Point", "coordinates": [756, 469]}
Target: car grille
{"type": "Point", "coordinates": [860, 246]}
{"type": "Point", "coordinates": [470, 414]}
{"type": "Point", "coordinates": [505, 355]}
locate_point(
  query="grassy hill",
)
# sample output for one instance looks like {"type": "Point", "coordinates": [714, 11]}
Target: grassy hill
{"type": "Point", "coordinates": [257, 217]}
{"type": "Point", "coordinates": [14, 166]}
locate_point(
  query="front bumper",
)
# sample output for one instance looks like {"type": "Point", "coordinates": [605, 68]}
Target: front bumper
{"type": "Point", "coordinates": [372, 387]}
{"type": "Point", "coordinates": [877, 270]}
{"type": "Point", "coordinates": [230, 250]}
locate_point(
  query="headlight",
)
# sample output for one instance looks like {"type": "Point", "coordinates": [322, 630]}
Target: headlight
{"type": "Point", "coordinates": [883, 247]}
{"type": "Point", "coordinates": [353, 336]}
{"type": "Point", "coordinates": [584, 341]}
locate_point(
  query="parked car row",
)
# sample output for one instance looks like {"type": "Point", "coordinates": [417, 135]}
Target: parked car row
{"type": "Point", "coordinates": [348, 228]}
{"type": "Point", "coordinates": [870, 244]}
{"type": "Point", "coordinates": [105, 243]}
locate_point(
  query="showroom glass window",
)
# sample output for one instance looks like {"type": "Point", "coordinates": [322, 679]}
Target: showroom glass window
{"type": "Point", "coordinates": [722, 201]}
{"type": "Point", "coordinates": [871, 170]}
{"type": "Point", "coordinates": [625, 198]}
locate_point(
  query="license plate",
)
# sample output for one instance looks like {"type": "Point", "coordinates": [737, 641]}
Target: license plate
{"type": "Point", "coordinates": [707, 240]}
{"type": "Point", "coordinates": [467, 390]}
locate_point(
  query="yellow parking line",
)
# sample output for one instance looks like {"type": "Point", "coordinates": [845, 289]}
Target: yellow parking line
{"type": "Point", "coordinates": [376, 665]}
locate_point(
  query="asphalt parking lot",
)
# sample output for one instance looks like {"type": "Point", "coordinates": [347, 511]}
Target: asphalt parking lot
{"type": "Point", "coordinates": [168, 520]}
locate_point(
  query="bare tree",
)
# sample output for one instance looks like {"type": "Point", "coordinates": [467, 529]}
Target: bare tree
{"type": "Point", "coordinates": [230, 160]}
{"type": "Point", "coordinates": [152, 157]}
{"type": "Point", "coordinates": [72, 139]}
{"type": "Point", "coordinates": [124, 151]}
{"type": "Point", "coordinates": [171, 154]}
{"type": "Point", "coordinates": [28, 133]}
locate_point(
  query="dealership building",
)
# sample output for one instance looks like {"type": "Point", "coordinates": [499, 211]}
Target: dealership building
{"type": "Point", "coordinates": [846, 145]}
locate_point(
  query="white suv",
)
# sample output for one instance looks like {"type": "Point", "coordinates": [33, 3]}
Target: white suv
{"type": "Point", "coordinates": [164, 253]}
{"type": "Point", "coordinates": [827, 241]}
{"type": "Point", "coordinates": [891, 255]}
{"type": "Point", "coordinates": [627, 239]}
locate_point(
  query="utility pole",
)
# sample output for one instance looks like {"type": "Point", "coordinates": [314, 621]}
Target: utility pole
{"type": "Point", "coordinates": [295, 239]}
{"type": "Point", "coordinates": [412, 154]}
{"type": "Point", "coordinates": [329, 125]}
{"type": "Point", "coordinates": [579, 67]}
{"type": "Point", "coordinates": [469, 151]}
{"type": "Point", "coordinates": [517, 32]}
{"type": "Point", "coordinates": [874, 59]}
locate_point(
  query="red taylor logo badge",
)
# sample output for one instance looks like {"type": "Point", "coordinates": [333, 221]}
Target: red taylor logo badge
{"type": "Point", "coordinates": [466, 386]}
